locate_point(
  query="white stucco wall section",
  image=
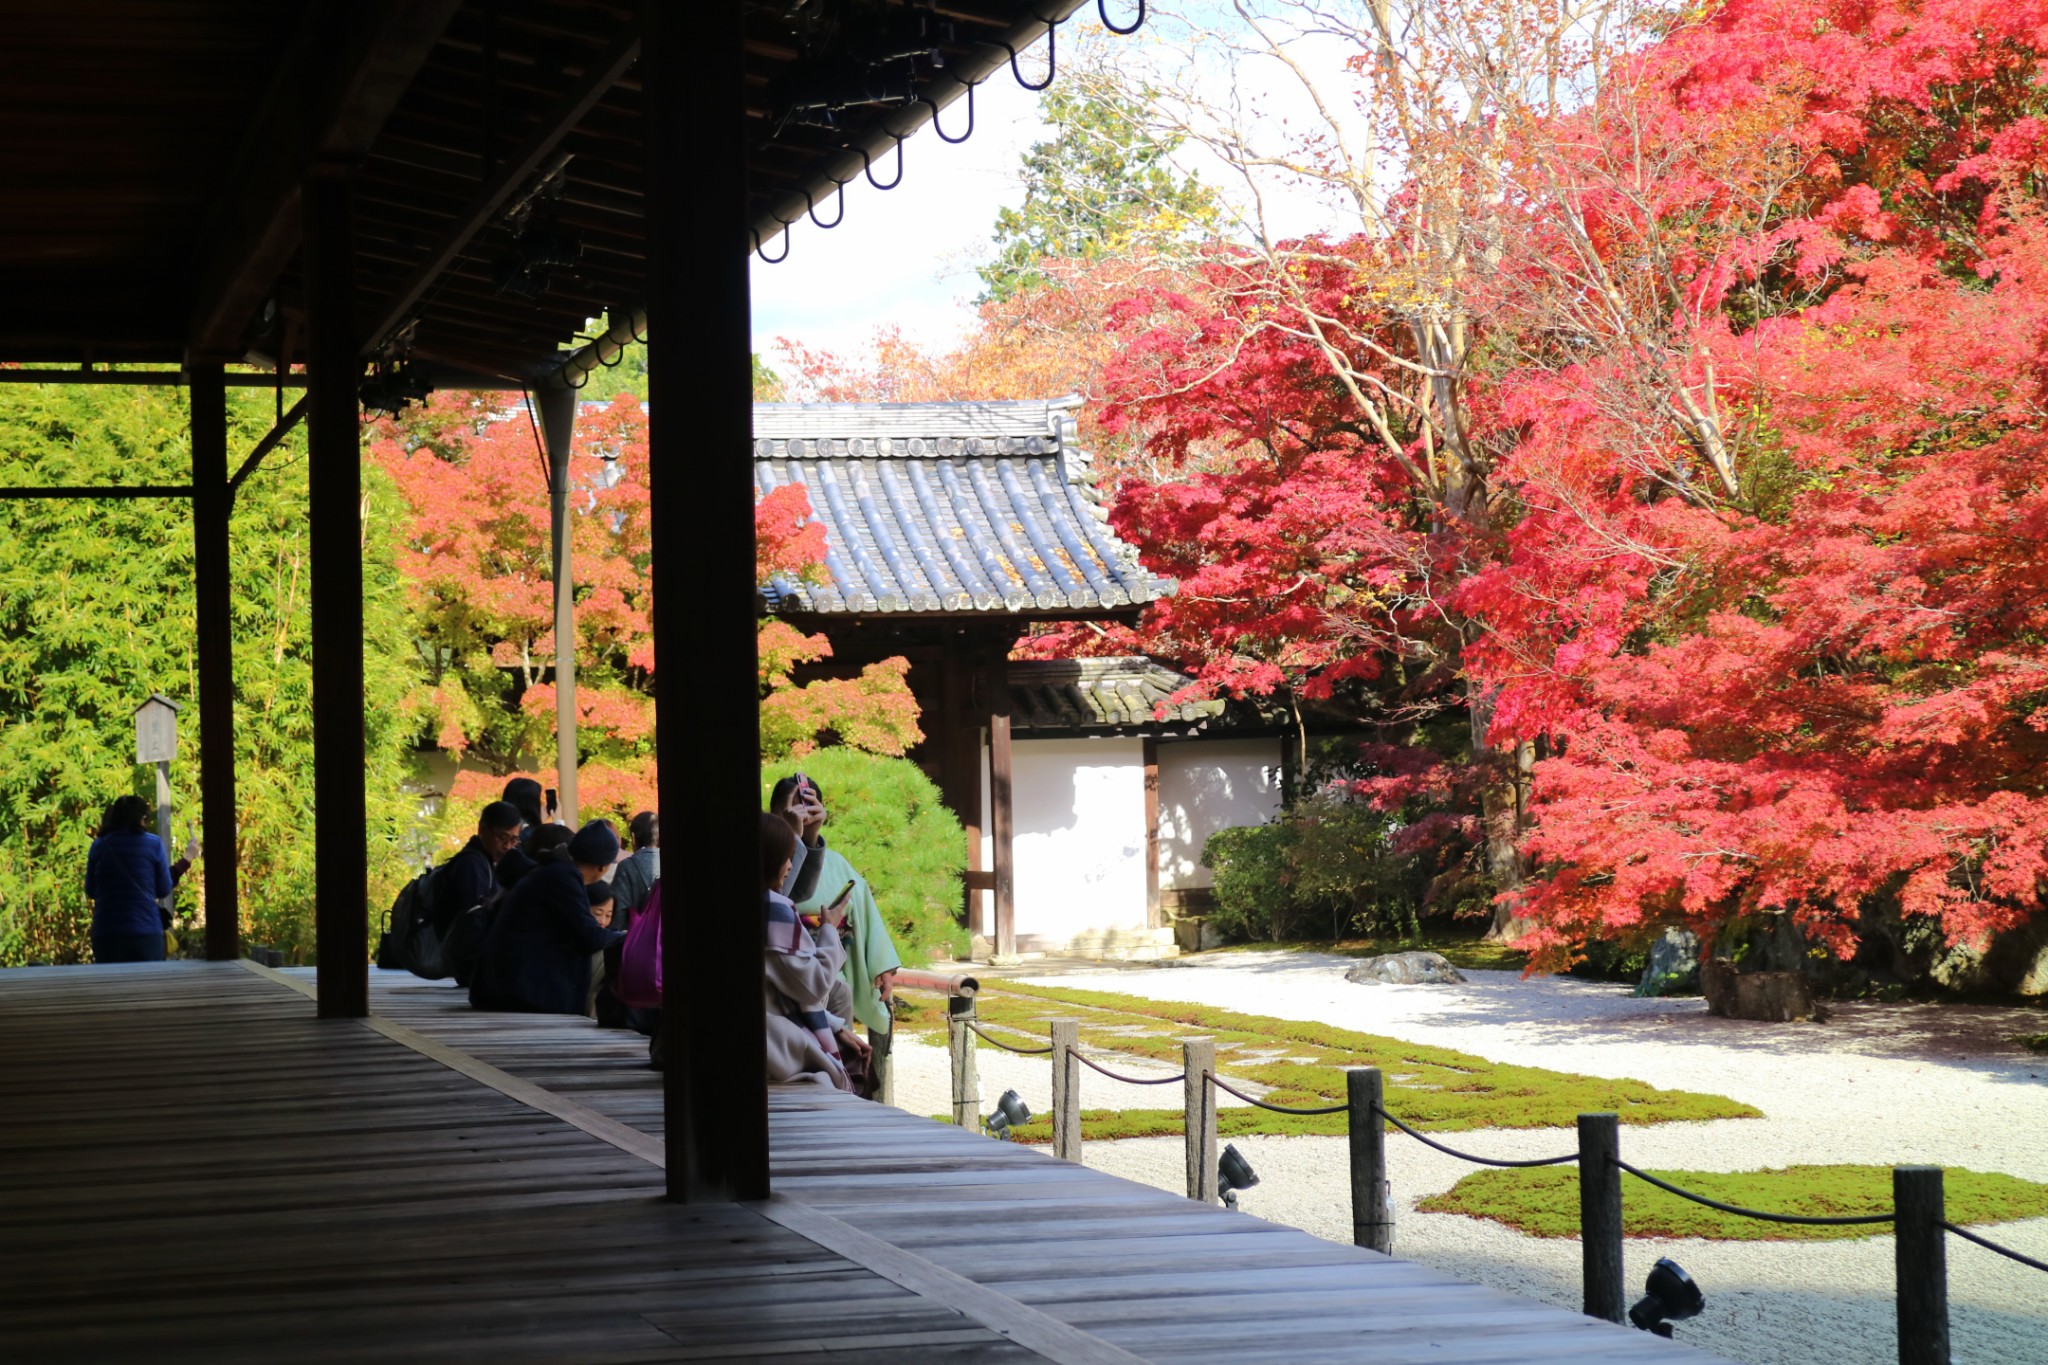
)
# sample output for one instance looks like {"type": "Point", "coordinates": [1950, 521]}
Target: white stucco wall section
{"type": "Point", "coordinates": [1078, 838]}
{"type": "Point", "coordinates": [1206, 785]}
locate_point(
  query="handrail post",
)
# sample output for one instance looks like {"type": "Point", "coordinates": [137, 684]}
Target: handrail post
{"type": "Point", "coordinates": [1066, 1090]}
{"type": "Point", "coordinates": [960, 1044]}
{"type": "Point", "coordinates": [1198, 1061]}
{"type": "Point", "coordinates": [1919, 1210]}
{"type": "Point", "coordinates": [1372, 1201]}
{"type": "Point", "coordinates": [1600, 1215]}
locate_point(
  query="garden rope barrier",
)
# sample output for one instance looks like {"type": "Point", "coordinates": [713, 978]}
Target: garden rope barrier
{"type": "Point", "coordinates": [1428, 1141]}
{"type": "Point", "coordinates": [1217, 1081]}
{"type": "Point", "coordinates": [1175, 1079]}
{"type": "Point", "coordinates": [1990, 1245]}
{"type": "Point", "coordinates": [1809, 1220]}
{"type": "Point", "coordinates": [1026, 1051]}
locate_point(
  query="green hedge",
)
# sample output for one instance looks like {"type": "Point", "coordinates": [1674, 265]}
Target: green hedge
{"type": "Point", "coordinates": [886, 817]}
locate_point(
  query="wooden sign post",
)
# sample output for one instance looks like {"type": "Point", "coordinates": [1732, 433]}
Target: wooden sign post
{"type": "Point", "coordinates": [156, 742]}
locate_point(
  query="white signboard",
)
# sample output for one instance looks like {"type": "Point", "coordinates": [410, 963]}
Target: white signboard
{"type": "Point", "coordinates": [156, 730]}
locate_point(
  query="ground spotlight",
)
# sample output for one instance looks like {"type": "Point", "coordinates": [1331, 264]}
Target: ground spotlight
{"type": "Point", "coordinates": [1233, 1173]}
{"type": "Point", "coordinates": [1669, 1296]}
{"type": "Point", "coordinates": [1010, 1112]}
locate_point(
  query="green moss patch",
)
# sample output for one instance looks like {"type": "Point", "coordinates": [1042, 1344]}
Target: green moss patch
{"type": "Point", "coordinates": [1544, 1202]}
{"type": "Point", "coordinates": [1302, 1065]}
{"type": "Point", "coordinates": [2033, 1042]}
{"type": "Point", "coordinates": [1475, 954]}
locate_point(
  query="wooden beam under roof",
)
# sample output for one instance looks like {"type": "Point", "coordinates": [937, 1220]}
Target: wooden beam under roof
{"type": "Point", "coordinates": [346, 69]}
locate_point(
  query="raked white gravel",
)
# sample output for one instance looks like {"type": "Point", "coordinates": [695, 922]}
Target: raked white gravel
{"type": "Point", "coordinates": [1878, 1084]}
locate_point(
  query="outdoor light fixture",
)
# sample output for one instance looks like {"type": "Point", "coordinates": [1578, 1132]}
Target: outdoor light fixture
{"type": "Point", "coordinates": [1010, 1112]}
{"type": "Point", "coordinates": [392, 386]}
{"type": "Point", "coordinates": [1669, 1295]}
{"type": "Point", "coordinates": [1233, 1173]}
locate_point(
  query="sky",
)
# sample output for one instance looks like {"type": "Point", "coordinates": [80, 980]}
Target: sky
{"type": "Point", "coordinates": [906, 257]}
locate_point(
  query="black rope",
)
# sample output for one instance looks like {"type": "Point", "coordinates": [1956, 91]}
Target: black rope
{"type": "Point", "coordinates": [943, 135]}
{"type": "Point", "coordinates": [1217, 1081]}
{"type": "Point", "coordinates": [1026, 1051]}
{"type": "Point", "coordinates": [1736, 1209]}
{"type": "Point", "coordinates": [1127, 1080]}
{"type": "Point", "coordinates": [1428, 1141]}
{"type": "Point", "coordinates": [1102, 8]}
{"type": "Point", "coordinates": [1990, 1245]}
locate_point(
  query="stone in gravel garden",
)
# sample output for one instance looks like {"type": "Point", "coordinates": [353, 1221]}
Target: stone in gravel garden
{"type": "Point", "coordinates": [1406, 969]}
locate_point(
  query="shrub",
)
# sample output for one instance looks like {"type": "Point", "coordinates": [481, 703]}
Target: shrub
{"type": "Point", "coordinates": [888, 821]}
{"type": "Point", "coordinates": [1324, 869]}
{"type": "Point", "coordinates": [1253, 898]}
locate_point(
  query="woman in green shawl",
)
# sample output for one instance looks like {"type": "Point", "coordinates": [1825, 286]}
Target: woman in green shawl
{"type": "Point", "coordinates": [871, 957]}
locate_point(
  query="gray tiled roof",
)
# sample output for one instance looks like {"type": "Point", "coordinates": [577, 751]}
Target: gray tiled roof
{"type": "Point", "coordinates": [1094, 694]}
{"type": "Point", "coordinates": [948, 507]}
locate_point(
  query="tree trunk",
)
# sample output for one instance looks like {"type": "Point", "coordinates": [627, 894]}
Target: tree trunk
{"type": "Point", "coordinates": [1503, 813]}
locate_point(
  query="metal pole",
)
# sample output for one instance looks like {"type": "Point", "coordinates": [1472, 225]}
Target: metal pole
{"type": "Point", "coordinates": [960, 1050]}
{"type": "Point", "coordinates": [1600, 1215]}
{"type": "Point", "coordinates": [1372, 1212]}
{"type": "Point", "coordinates": [212, 501]}
{"type": "Point", "coordinates": [1066, 1090]}
{"type": "Point", "coordinates": [341, 896]}
{"type": "Point", "coordinates": [557, 409]}
{"type": "Point", "coordinates": [1198, 1058]}
{"type": "Point", "coordinates": [1922, 1259]}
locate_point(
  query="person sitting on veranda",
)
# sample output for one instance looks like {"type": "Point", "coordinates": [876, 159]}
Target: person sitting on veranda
{"type": "Point", "coordinates": [824, 874]}
{"type": "Point", "coordinates": [637, 875]}
{"type": "Point", "coordinates": [545, 948]}
{"type": "Point", "coordinates": [470, 878]}
{"type": "Point", "coordinates": [807, 1039]}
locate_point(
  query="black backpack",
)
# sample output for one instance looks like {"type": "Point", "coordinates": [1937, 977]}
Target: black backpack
{"type": "Point", "coordinates": [409, 942]}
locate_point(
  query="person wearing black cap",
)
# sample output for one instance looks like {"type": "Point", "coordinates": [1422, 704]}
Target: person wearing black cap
{"type": "Point", "coordinates": [540, 954]}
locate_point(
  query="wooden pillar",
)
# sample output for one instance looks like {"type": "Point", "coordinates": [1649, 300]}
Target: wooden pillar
{"type": "Point", "coordinates": [341, 916]}
{"type": "Point", "coordinates": [1198, 1102]}
{"type": "Point", "coordinates": [1371, 1201]}
{"type": "Point", "coordinates": [960, 766]}
{"type": "Point", "coordinates": [706, 702]}
{"type": "Point", "coordinates": [1920, 1254]}
{"type": "Point", "coordinates": [1066, 1089]}
{"type": "Point", "coordinates": [1600, 1216]}
{"type": "Point", "coordinates": [557, 407]}
{"type": "Point", "coordinates": [1000, 802]}
{"type": "Point", "coordinates": [214, 631]}
{"type": "Point", "coordinates": [1152, 917]}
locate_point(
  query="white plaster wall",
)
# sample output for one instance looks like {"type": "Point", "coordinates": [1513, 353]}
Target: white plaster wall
{"type": "Point", "coordinates": [1206, 785]}
{"type": "Point", "coordinates": [1078, 836]}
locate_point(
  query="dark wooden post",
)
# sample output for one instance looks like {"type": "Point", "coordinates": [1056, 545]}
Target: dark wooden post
{"type": "Point", "coordinates": [1066, 1090]}
{"type": "Point", "coordinates": [1600, 1215]}
{"type": "Point", "coordinates": [1002, 825]}
{"type": "Point", "coordinates": [334, 479]}
{"type": "Point", "coordinates": [556, 405]}
{"type": "Point", "coordinates": [1372, 1216]}
{"type": "Point", "coordinates": [1922, 1259]}
{"type": "Point", "coordinates": [960, 1050]}
{"type": "Point", "coordinates": [706, 704]}
{"type": "Point", "coordinates": [1151, 756]}
{"type": "Point", "coordinates": [1198, 1058]}
{"type": "Point", "coordinates": [214, 621]}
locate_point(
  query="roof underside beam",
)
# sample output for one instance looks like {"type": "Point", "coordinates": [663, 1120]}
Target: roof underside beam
{"type": "Point", "coordinates": [346, 70]}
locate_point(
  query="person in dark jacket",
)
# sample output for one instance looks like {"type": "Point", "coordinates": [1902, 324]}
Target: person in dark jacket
{"type": "Point", "coordinates": [523, 794]}
{"type": "Point", "coordinates": [538, 956]}
{"type": "Point", "coordinates": [126, 875]}
{"type": "Point", "coordinates": [470, 877]}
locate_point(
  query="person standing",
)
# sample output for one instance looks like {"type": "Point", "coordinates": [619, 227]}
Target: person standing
{"type": "Point", "coordinates": [126, 877]}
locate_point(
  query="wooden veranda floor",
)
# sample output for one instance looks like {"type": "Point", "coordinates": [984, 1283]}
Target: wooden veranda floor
{"type": "Point", "coordinates": [193, 1167]}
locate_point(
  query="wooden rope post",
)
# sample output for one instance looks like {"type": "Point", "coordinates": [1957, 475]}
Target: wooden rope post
{"type": "Point", "coordinates": [1066, 1090]}
{"type": "Point", "coordinates": [1922, 1257]}
{"type": "Point", "coordinates": [1372, 1201]}
{"type": "Point", "coordinates": [1600, 1215]}
{"type": "Point", "coordinates": [960, 1043]}
{"type": "Point", "coordinates": [1198, 1060]}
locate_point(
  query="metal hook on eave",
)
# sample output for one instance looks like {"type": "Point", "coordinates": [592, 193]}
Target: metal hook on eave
{"type": "Point", "coordinates": [867, 164]}
{"type": "Point", "coordinates": [943, 137]}
{"type": "Point", "coordinates": [1052, 59]}
{"type": "Point", "coordinates": [812, 207]}
{"type": "Point", "coordinates": [1102, 8]}
{"type": "Point", "coordinates": [765, 257]}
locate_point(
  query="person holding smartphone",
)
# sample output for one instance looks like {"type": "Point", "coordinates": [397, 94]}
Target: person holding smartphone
{"type": "Point", "coordinates": [808, 1034]}
{"type": "Point", "coordinates": [826, 877]}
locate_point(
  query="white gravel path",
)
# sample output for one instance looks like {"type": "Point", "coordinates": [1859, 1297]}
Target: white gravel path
{"type": "Point", "coordinates": [1879, 1084]}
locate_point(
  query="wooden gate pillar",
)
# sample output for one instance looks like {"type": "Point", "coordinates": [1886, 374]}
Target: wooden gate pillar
{"type": "Point", "coordinates": [212, 584]}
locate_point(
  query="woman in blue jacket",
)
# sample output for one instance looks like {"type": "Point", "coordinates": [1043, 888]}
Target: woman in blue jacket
{"type": "Point", "coordinates": [126, 874]}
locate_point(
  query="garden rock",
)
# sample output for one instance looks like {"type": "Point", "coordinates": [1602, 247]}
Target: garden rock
{"type": "Point", "coordinates": [1674, 967]}
{"type": "Point", "coordinates": [1406, 969]}
{"type": "Point", "coordinates": [1773, 997]}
